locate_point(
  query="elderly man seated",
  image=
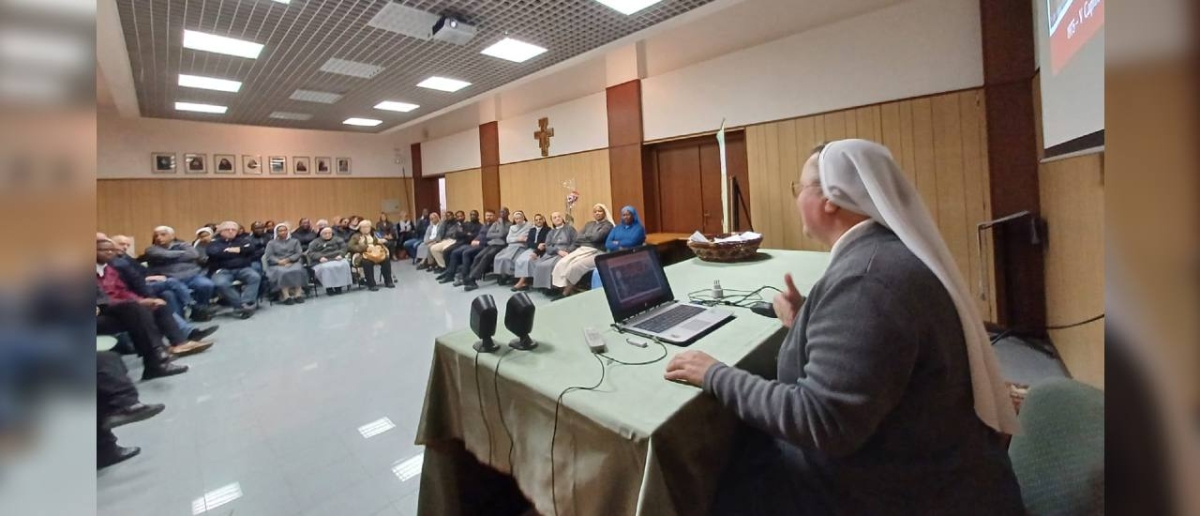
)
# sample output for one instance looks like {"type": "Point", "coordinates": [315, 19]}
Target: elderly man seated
{"type": "Point", "coordinates": [177, 260]}
{"type": "Point", "coordinates": [229, 259]}
{"type": "Point", "coordinates": [143, 283]}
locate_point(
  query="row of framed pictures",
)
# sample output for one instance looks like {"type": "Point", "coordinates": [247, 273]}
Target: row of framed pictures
{"type": "Point", "coordinates": [251, 165]}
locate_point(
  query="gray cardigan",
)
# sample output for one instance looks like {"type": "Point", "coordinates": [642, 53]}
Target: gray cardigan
{"type": "Point", "coordinates": [593, 234]}
{"type": "Point", "coordinates": [328, 249]}
{"type": "Point", "coordinates": [561, 239]}
{"type": "Point", "coordinates": [177, 260]}
{"type": "Point", "coordinates": [873, 402]}
{"type": "Point", "coordinates": [279, 249]}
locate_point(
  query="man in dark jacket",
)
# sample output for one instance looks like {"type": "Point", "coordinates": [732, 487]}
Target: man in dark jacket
{"type": "Point", "coordinates": [475, 240]}
{"type": "Point", "coordinates": [145, 284]}
{"type": "Point", "coordinates": [304, 233]}
{"type": "Point", "coordinates": [176, 260]}
{"type": "Point", "coordinates": [260, 238]}
{"type": "Point", "coordinates": [230, 258]}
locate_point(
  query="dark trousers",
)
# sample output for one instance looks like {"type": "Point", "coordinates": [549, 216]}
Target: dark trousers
{"type": "Point", "coordinates": [385, 267]}
{"type": "Point", "coordinates": [468, 258]}
{"type": "Point", "coordinates": [145, 327]}
{"type": "Point", "coordinates": [114, 391]}
{"type": "Point", "coordinates": [483, 260]}
{"type": "Point", "coordinates": [454, 257]}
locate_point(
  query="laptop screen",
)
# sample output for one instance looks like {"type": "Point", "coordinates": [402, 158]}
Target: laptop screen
{"type": "Point", "coordinates": [634, 281]}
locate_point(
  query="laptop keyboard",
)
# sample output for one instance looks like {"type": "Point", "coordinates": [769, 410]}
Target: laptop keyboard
{"type": "Point", "coordinates": [669, 318]}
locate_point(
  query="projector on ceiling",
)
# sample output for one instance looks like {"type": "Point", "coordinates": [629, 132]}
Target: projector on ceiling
{"type": "Point", "coordinates": [453, 30]}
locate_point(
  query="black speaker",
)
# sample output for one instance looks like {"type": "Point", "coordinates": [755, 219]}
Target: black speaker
{"type": "Point", "coordinates": [518, 318]}
{"type": "Point", "coordinates": [483, 323]}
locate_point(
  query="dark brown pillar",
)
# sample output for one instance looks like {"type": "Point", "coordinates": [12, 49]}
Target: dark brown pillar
{"type": "Point", "coordinates": [625, 147]}
{"type": "Point", "coordinates": [425, 189]}
{"type": "Point", "coordinates": [489, 160]}
{"type": "Point", "coordinates": [1008, 69]}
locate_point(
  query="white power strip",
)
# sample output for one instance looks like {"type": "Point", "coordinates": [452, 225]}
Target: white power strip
{"type": "Point", "coordinates": [594, 340]}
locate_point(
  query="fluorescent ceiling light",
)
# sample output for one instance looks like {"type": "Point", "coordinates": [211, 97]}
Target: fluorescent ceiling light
{"type": "Point", "coordinates": [216, 498]}
{"type": "Point", "coordinates": [377, 426]}
{"type": "Point", "coordinates": [283, 1]}
{"type": "Point", "coordinates": [513, 50]}
{"type": "Point", "coordinates": [200, 108]}
{"type": "Point", "coordinates": [364, 122]}
{"type": "Point", "coordinates": [443, 84]}
{"type": "Point", "coordinates": [402, 107]}
{"type": "Point", "coordinates": [209, 83]}
{"type": "Point", "coordinates": [220, 44]}
{"type": "Point", "coordinates": [315, 96]}
{"type": "Point", "coordinates": [290, 116]}
{"type": "Point", "coordinates": [628, 6]}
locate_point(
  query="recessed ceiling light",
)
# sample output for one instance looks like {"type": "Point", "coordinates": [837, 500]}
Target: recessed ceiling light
{"type": "Point", "coordinates": [351, 68]}
{"type": "Point", "coordinates": [628, 6]}
{"type": "Point", "coordinates": [209, 83]}
{"type": "Point", "coordinates": [200, 108]}
{"type": "Point", "coordinates": [315, 96]}
{"type": "Point", "coordinates": [364, 122]}
{"type": "Point", "coordinates": [513, 50]}
{"type": "Point", "coordinates": [283, 1]}
{"type": "Point", "coordinates": [290, 116]}
{"type": "Point", "coordinates": [402, 107]}
{"type": "Point", "coordinates": [220, 44]}
{"type": "Point", "coordinates": [443, 84]}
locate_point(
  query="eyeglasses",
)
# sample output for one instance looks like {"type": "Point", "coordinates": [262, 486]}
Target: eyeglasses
{"type": "Point", "coordinates": [798, 187]}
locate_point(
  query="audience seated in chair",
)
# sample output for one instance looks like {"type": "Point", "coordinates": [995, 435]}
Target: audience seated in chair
{"type": "Point", "coordinates": [117, 404]}
{"type": "Point", "coordinates": [449, 237]}
{"type": "Point", "coordinates": [229, 260]}
{"type": "Point", "coordinates": [328, 258]}
{"type": "Point", "coordinates": [591, 241]}
{"type": "Point", "coordinates": [433, 234]}
{"type": "Point", "coordinates": [168, 256]}
{"type": "Point", "coordinates": [363, 245]}
{"type": "Point", "coordinates": [474, 267]}
{"type": "Point", "coordinates": [146, 319]}
{"type": "Point", "coordinates": [258, 239]}
{"type": "Point", "coordinates": [139, 279]}
{"type": "Point", "coordinates": [204, 237]}
{"type": "Point", "coordinates": [522, 266]}
{"type": "Point", "coordinates": [285, 269]}
{"type": "Point", "coordinates": [459, 261]}
{"type": "Point", "coordinates": [468, 232]}
{"type": "Point", "coordinates": [404, 232]}
{"type": "Point", "coordinates": [386, 231]}
{"type": "Point", "coordinates": [627, 234]}
{"type": "Point", "coordinates": [305, 233]}
{"type": "Point", "coordinates": [416, 235]}
{"type": "Point", "coordinates": [518, 241]}
{"type": "Point", "coordinates": [343, 229]}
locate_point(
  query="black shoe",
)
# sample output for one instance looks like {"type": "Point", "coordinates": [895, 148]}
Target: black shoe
{"type": "Point", "coordinates": [299, 300]}
{"type": "Point", "coordinates": [443, 279]}
{"type": "Point", "coordinates": [118, 455]}
{"type": "Point", "coordinates": [163, 370]}
{"type": "Point", "coordinates": [470, 285]}
{"type": "Point", "coordinates": [200, 315]}
{"type": "Point", "coordinates": [133, 414]}
{"type": "Point", "coordinates": [520, 289]}
{"type": "Point", "coordinates": [289, 301]}
{"type": "Point", "coordinates": [373, 288]}
{"type": "Point", "coordinates": [458, 283]}
{"type": "Point", "coordinates": [329, 292]}
{"type": "Point", "coordinates": [389, 285]}
{"type": "Point", "coordinates": [200, 333]}
{"type": "Point", "coordinates": [244, 313]}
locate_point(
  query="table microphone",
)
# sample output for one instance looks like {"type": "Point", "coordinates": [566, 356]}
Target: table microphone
{"type": "Point", "coordinates": [483, 323]}
{"type": "Point", "coordinates": [518, 318]}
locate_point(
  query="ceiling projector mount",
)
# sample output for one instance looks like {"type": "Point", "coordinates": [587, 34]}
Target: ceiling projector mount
{"type": "Point", "coordinates": [452, 29]}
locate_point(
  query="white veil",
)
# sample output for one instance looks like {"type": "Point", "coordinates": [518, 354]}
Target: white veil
{"type": "Point", "coordinates": [861, 176]}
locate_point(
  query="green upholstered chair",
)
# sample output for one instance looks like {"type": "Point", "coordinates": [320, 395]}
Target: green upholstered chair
{"type": "Point", "coordinates": [1059, 456]}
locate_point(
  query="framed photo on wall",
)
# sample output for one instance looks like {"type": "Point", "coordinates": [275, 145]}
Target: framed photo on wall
{"type": "Point", "coordinates": [343, 166]}
{"type": "Point", "coordinates": [224, 164]}
{"type": "Point", "coordinates": [252, 165]}
{"type": "Point", "coordinates": [301, 165]}
{"type": "Point", "coordinates": [195, 163]}
{"type": "Point", "coordinates": [162, 162]}
{"type": "Point", "coordinates": [324, 165]}
{"type": "Point", "coordinates": [278, 165]}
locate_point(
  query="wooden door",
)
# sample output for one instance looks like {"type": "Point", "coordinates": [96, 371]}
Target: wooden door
{"type": "Point", "coordinates": [679, 187]}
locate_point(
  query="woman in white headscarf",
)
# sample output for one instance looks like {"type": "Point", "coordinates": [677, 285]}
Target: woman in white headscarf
{"type": "Point", "coordinates": [284, 268]}
{"type": "Point", "coordinates": [888, 398]}
{"type": "Point", "coordinates": [590, 242]}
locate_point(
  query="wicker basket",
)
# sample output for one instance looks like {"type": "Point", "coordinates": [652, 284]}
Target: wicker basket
{"type": "Point", "coordinates": [725, 251]}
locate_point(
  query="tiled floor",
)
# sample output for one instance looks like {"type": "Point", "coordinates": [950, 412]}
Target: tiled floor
{"type": "Point", "coordinates": [271, 420]}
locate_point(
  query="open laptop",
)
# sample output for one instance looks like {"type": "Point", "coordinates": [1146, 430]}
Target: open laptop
{"type": "Point", "coordinates": [642, 303]}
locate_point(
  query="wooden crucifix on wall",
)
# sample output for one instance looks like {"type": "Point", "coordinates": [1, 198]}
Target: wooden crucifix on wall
{"type": "Point", "coordinates": [543, 135]}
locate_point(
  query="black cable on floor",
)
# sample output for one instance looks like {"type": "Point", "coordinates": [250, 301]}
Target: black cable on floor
{"type": "Point", "coordinates": [482, 415]}
{"type": "Point", "coordinates": [554, 432]}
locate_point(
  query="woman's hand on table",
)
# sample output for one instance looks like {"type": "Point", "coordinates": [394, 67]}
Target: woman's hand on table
{"type": "Point", "coordinates": [690, 367]}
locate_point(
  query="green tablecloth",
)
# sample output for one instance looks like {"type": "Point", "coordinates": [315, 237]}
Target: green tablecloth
{"type": "Point", "coordinates": [638, 444]}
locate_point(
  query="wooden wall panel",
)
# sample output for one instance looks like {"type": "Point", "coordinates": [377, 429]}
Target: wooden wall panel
{"type": "Point", "coordinates": [939, 141]}
{"type": "Point", "coordinates": [489, 156]}
{"type": "Point", "coordinates": [464, 190]}
{"type": "Point", "coordinates": [135, 206]}
{"type": "Point", "coordinates": [1072, 200]}
{"type": "Point", "coordinates": [627, 169]}
{"type": "Point", "coordinates": [536, 186]}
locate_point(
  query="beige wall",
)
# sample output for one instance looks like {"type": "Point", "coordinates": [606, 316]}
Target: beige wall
{"type": "Point", "coordinates": [135, 206]}
{"type": "Point", "coordinates": [537, 186]}
{"type": "Point", "coordinates": [940, 142]}
{"type": "Point", "coordinates": [124, 146]}
{"type": "Point", "coordinates": [464, 190]}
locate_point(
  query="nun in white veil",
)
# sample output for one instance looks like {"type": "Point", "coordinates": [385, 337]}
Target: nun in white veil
{"type": "Point", "coordinates": [888, 398]}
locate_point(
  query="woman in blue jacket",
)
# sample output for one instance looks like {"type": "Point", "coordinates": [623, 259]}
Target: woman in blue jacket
{"type": "Point", "coordinates": [626, 234]}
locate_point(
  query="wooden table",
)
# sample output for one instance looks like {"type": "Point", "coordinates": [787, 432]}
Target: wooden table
{"type": "Point", "coordinates": [672, 247]}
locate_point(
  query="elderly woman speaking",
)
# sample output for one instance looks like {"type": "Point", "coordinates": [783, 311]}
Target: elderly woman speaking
{"type": "Point", "coordinates": [888, 397]}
